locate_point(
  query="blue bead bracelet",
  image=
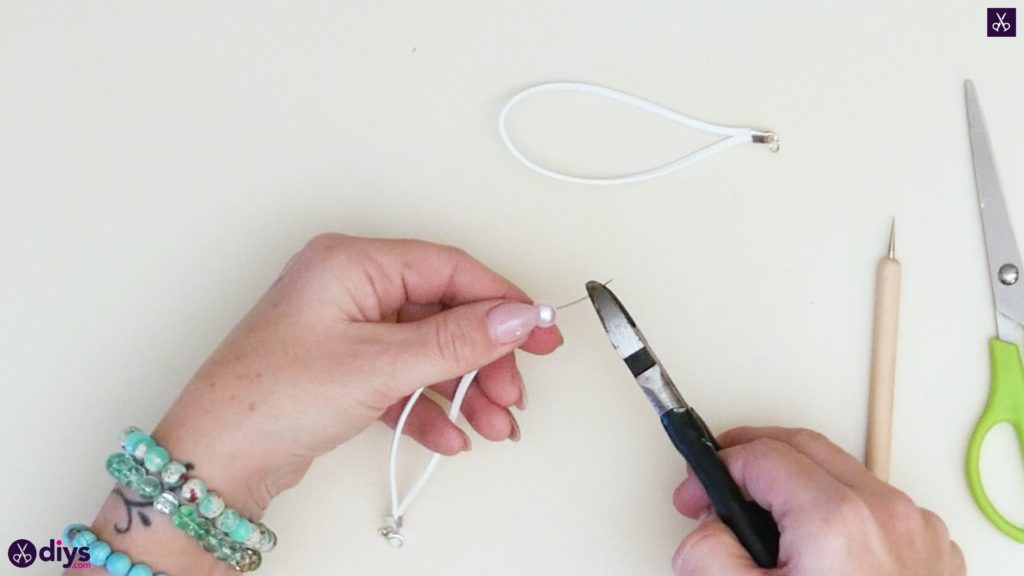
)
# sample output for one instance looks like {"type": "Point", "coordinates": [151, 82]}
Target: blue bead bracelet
{"type": "Point", "coordinates": [101, 555]}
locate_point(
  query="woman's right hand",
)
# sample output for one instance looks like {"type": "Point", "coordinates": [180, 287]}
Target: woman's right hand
{"type": "Point", "coordinates": [834, 516]}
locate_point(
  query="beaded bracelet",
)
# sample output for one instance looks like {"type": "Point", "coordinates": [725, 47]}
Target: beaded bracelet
{"type": "Point", "coordinates": [199, 512]}
{"type": "Point", "coordinates": [102, 556]}
{"type": "Point", "coordinates": [209, 504]}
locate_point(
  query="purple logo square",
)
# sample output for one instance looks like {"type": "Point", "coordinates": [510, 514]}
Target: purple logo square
{"type": "Point", "coordinates": [1002, 22]}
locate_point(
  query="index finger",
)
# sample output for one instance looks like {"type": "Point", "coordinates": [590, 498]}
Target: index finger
{"type": "Point", "coordinates": [836, 461]}
{"type": "Point", "coordinates": [778, 477]}
{"type": "Point", "coordinates": [418, 272]}
{"type": "Point", "coordinates": [399, 272]}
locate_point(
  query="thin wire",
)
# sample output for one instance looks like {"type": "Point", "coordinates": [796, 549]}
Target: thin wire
{"type": "Point", "coordinates": [733, 135]}
{"type": "Point", "coordinates": [581, 298]}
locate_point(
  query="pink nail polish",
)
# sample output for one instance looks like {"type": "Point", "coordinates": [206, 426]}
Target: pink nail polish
{"type": "Point", "coordinates": [511, 321]}
{"type": "Point", "coordinates": [521, 404]}
{"type": "Point", "coordinates": [515, 429]}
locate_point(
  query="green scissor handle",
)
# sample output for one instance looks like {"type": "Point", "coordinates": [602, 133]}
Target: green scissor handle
{"type": "Point", "coordinates": [1005, 404]}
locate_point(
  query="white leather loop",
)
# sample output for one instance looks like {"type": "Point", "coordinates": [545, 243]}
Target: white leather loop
{"type": "Point", "coordinates": [733, 135]}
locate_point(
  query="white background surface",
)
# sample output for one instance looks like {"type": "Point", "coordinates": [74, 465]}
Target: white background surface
{"type": "Point", "coordinates": [159, 161]}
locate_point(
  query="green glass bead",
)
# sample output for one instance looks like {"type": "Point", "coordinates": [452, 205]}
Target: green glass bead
{"type": "Point", "coordinates": [118, 464]}
{"type": "Point", "coordinates": [183, 516]}
{"type": "Point", "coordinates": [188, 512]}
{"type": "Point", "coordinates": [179, 521]}
{"type": "Point", "coordinates": [132, 476]}
{"type": "Point", "coordinates": [148, 488]}
{"type": "Point", "coordinates": [227, 520]}
{"type": "Point", "coordinates": [155, 459]}
{"type": "Point", "coordinates": [137, 443]}
{"type": "Point", "coordinates": [199, 529]}
{"type": "Point", "coordinates": [211, 542]}
{"type": "Point", "coordinates": [225, 549]}
{"type": "Point", "coordinates": [166, 503]}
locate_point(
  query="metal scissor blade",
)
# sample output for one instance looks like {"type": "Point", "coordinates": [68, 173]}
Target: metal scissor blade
{"type": "Point", "coordinates": [1004, 262]}
{"type": "Point", "coordinates": [632, 347]}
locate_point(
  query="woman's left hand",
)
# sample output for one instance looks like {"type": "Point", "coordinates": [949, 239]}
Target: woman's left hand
{"type": "Point", "coordinates": [350, 328]}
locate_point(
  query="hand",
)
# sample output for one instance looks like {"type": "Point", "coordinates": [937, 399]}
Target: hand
{"type": "Point", "coordinates": [834, 516]}
{"type": "Point", "coordinates": [350, 328]}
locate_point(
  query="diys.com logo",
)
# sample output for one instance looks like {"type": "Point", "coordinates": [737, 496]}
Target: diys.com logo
{"type": "Point", "coordinates": [23, 553]}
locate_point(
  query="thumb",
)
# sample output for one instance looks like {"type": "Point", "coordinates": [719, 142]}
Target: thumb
{"type": "Point", "coordinates": [459, 340]}
{"type": "Point", "coordinates": [713, 550]}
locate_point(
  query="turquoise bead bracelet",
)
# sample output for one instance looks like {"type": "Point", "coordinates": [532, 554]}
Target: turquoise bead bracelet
{"type": "Point", "coordinates": [173, 475]}
{"type": "Point", "coordinates": [201, 513]}
{"type": "Point", "coordinates": [213, 538]}
{"type": "Point", "coordinates": [101, 555]}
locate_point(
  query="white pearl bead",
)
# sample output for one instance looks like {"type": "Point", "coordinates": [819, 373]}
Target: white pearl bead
{"type": "Point", "coordinates": [545, 315]}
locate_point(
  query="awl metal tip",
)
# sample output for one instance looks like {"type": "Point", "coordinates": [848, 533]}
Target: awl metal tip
{"type": "Point", "coordinates": [892, 238]}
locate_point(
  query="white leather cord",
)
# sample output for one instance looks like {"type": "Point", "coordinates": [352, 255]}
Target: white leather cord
{"type": "Point", "coordinates": [733, 135]}
{"type": "Point", "coordinates": [393, 523]}
{"type": "Point", "coordinates": [393, 526]}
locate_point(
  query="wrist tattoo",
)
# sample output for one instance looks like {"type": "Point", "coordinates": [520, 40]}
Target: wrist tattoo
{"type": "Point", "coordinates": [131, 506]}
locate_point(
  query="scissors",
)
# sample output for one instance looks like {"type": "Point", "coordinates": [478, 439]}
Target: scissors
{"type": "Point", "coordinates": [1005, 26]}
{"type": "Point", "coordinates": [753, 525]}
{"type": "Point", "coordinates": [1006, 394]}
{"type": "Point", "coordinates": [22, 557]}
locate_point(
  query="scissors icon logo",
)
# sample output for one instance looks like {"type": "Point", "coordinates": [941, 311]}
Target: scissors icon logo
{"type": "Point", "coordinates": [1002, 22]}
{"type": "Point", "coordinates": [22, 553]}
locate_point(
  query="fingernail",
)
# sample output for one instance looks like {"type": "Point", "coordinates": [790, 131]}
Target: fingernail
{"type": "Point", "coordinates": [515, 429]}
{"type": "Point", "coordinates": [521, 404]}
{"type": "Point", "coordinates": [468, 442]}
{"type": "Point", "coordinates": [704, 517]}
{"type": "Point", "coordinates": [511, 321]}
